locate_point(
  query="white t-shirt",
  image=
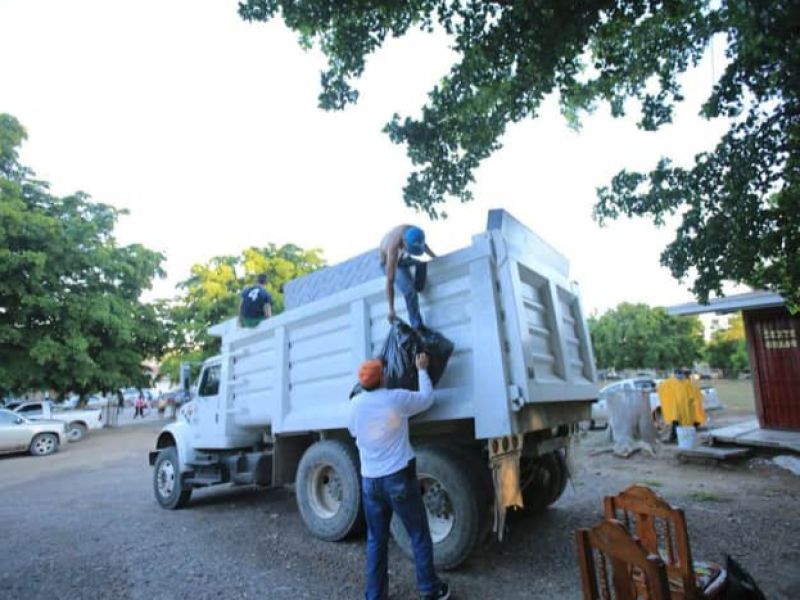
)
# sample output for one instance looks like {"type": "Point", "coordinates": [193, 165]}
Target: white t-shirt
{"type": "Point", "coordinates": [379, 422]}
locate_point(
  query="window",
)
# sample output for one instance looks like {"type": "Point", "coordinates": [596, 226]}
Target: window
{"type": "Point", "coordinates": [209, 385]}
{"type": "Point", "coordinates": [30, 409]}
{"type": "Point", "coordinates": [7, 418]}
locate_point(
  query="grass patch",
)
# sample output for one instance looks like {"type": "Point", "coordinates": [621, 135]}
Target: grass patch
{"type": "Point", "coordinates": [653, 483]}
{"type": "Point", "coordinates": [736, 395]}
{"type": "Point", "coordinates": [704, 496]}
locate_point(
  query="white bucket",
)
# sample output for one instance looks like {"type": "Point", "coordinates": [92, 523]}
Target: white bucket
{"type": "Point", "coordinates": [687, 438]}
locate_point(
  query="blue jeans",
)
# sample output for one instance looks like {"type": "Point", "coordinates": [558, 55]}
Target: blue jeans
{"type": "Point", "coordinates": [404, 282]}
{"type": "Point", "coordinates": [397, 493]}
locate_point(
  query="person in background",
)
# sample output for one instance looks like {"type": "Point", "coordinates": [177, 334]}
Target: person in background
{"type": "Point", "coordinates": [396, 251]}
{"type": "Point", "coordinates": [681, 402]}
{"type": "Point", "coordinates": [379, 422]}
{"type": "Point", "coordinates": [256, 304]}
{"type": "Point", "coordinates": [139, 406]}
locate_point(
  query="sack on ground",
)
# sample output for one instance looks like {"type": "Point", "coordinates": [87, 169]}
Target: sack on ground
{"type": "Point", "coordinates": [741, 585]}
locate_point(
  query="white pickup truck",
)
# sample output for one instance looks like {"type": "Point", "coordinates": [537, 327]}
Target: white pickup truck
{"type": "Point", "coordinates": [79, 422]}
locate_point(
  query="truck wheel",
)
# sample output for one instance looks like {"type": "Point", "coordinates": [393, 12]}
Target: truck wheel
{"type": "Point", "coordinates": [44, 444]}
{"type": "Point", "coordinates": [167, 484]}
{"type": "Point", "coordinates": [544, 479]}
{"type": "Point", "coordinates": [328, 490]}
{"type": "Point", "coordinates": [76, 432]}
{"type": "Point", "coordinates": [452, 497]}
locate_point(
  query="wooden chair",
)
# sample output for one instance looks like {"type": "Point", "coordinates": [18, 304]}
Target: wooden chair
{"type": "Point", "coordinates": [662, 530]}
{"type": "Point", "coordinates": [634, 574]}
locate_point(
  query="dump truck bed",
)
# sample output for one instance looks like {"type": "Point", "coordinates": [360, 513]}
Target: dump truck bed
{"type": "Point", "coordinates": [522, 360]}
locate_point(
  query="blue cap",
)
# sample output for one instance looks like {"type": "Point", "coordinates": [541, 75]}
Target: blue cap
{"type": "Point", "coordinates": [415, 241]}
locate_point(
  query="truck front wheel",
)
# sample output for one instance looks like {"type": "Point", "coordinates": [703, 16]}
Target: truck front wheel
{"type": "Point", "coordinates": [328, 490]}
{"type": "Point", "coordinates": [167, 484]}
{"type": "Point", "coordinates": [452, 497]}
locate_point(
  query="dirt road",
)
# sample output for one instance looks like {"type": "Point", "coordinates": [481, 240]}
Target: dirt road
{"type": "Point", "coordinates": [83, 524]}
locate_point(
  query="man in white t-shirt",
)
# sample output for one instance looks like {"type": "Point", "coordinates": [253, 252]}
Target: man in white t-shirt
{"type": "Point", "coordinates": [379, 422]}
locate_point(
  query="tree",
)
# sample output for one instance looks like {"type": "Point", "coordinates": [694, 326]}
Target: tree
{"type": "Point", "coordinates": [739, 204]}
{"type": "Point", "coordinates": [70, 311]}
{"type": "Point", "coordinates": [635, 336]}
{"type": "Point", "coordinates": [211, 295]}
{"type": "Point", "coordinates": [727, 349]}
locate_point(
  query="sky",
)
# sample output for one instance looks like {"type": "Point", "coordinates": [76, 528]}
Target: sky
{"type": "Point", "coordinates": [206, 128]}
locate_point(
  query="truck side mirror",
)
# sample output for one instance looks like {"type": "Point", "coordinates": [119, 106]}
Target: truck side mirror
{"type": "Point", "coordinates": [186, 377]}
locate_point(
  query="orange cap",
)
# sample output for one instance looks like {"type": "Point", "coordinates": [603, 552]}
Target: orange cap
{"type": "Point", "coordinates": [369, 374]}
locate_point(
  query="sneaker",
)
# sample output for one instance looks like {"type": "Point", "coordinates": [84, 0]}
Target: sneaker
{"type": "Point", "coordinates": [443, 593]}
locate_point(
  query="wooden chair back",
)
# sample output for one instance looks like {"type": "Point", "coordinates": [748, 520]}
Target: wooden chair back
{"type": "Point", "coordinates": [614, 566]}
{"type": "Point", "coordinates": [660, 528]}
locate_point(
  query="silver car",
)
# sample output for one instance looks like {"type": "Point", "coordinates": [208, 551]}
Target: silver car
{"type": "Point", "coordinates": [40, 438]}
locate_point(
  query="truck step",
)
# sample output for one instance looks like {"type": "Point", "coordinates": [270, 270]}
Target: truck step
{"type": "Point", "coordinates": [202, 480]}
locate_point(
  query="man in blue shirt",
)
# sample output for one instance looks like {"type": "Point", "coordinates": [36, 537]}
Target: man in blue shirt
{"type": "Point", "coordinates": [379, 422]}
{"type": "Point", "coordinates": [256, 304]}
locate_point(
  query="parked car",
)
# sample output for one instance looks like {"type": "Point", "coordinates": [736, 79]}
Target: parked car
{"type": "Point", "coordinates": [711, 399]}
{"type": "Point", "coordinates": [78, 422]}
{"type": "Point", "coordinates": [40, 438]}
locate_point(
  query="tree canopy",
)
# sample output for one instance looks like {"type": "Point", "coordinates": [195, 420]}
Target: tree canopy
{"type": "Point", "coordinates": [71, 317]}
{"type": "Point", "coordinates": [211, 295]}
{"type": "Point", "coordinates": [636, 336]}
{"type": "Point", "coordinates": [739, 204]}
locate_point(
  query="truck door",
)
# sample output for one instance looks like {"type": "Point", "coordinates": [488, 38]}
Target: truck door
{"type": "Point", "coordinates": [205, 418]}
{"type": "Point", "coordinates": [13, 434]}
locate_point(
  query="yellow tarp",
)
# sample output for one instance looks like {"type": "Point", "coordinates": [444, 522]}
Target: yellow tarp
{"type": "Point", "coordinates": [681, 401]}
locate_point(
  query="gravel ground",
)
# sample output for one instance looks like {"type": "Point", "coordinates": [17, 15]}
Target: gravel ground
{"type": "Point", "coordinates": [83, 524]}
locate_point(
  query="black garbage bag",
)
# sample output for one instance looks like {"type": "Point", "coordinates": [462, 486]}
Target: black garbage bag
{"type": "Point", "coordinates": [438, 348]}
{"type": "Point", "coordinates": [398, 357]}
{"type": "Point", "coordinates": [741, 585]}
{"type": "Point", "coordinates": [400, 350]}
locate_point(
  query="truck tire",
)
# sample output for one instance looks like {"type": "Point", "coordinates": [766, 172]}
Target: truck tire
{"type": "Point", "coordinates": [167, 485]}
{"type": "Point", "coordinates": [546, 478]}
{"type": "Point", "coordinates": [76, 432]}
{"type": "Point", "coordinates": [454, 501]}
{"type": "Point", "coordinates": [44, 444]}
{"type": "Point", "coordinates": [328, 490]}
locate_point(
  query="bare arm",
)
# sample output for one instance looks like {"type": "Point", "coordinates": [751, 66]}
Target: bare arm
{"type": "Point", "coordinates": [268, 310]}
{"type": "Point", "coordinates": [412, 403]}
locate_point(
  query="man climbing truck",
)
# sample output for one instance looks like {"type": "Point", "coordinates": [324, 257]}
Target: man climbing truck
{"type": "Point", "coordinates": [272, 409]}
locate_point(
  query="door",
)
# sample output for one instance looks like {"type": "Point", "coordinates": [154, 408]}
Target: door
{"type": "Point", "coordinates": [773, 337]}
{"type": "Point", "coordinates": [14, 435]}
{"type": "Point", "coordinates": [205, 417]}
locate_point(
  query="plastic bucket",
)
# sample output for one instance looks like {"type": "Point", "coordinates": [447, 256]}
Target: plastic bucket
{"type": "Point", "coordinates": [687, 438]}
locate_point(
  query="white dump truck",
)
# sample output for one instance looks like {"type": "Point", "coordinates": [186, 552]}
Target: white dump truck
{"type": "Point", "coordinates": [272, 408]}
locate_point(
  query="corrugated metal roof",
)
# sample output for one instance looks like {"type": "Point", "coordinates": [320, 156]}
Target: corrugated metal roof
{"type": "Point", "coordinates": [728, 304]}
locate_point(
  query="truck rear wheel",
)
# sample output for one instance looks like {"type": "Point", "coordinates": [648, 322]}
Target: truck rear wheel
{"type": "Point", "coordinates": [167, 485]}
{"type": "Point", "coordinates": [452, 495]}
{"type": "Point", "coordinates": [544, 479]}
{"type": "Point", "coordinates": [328, 490]}
{"type": "Point", "coordinates": [76, 431]}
